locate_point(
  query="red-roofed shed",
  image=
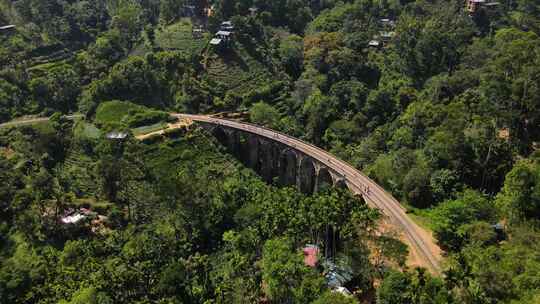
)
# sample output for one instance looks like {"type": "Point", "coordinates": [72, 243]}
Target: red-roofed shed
{"type": "Point", "coordinates": [311, 255]}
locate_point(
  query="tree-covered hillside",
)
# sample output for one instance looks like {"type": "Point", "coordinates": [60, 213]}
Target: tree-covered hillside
{"type": "Point", "coordinates": [438, 101]}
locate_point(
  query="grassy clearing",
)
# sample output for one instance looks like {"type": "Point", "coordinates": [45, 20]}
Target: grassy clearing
{"type": "Point", "coordinates": [43, 127]}
{"type": "Point", "coordinates": [122, 114]}
{"type": "Point", "coordinates": [166, 159]}
{"type": "Point", "coordinates": [86, 130]}
{"type": "Point", "coordinates": [41, 69]}
{"type": "Point", "coordinates": [115, 111]}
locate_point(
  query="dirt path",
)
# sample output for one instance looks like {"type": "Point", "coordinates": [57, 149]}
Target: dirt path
{"type": "Point", "coordinates": [32, 120]}
{"type": "Point", "coordinates": [182, 123]}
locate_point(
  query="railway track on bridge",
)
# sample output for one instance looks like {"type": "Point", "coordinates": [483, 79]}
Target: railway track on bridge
{"type": "Point", "coordinates": [419, 240]}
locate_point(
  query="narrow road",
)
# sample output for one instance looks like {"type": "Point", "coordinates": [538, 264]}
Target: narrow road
{"type": "Point", "coordinates": [419, 240]}
{"type": "Point", "coordinates": [28, 121]}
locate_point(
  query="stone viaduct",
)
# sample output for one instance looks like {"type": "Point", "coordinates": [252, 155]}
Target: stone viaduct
{"type": "Point", "coordinates": [285, 160]}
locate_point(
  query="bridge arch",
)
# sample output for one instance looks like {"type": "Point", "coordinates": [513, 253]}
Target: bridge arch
{"type": "Point", "coordinates": [268, 159]}
{"type": "Point", "coordinates": [220, 134]}
{"type": "Point", "coordinates": [253, 154]}
{"type": "Point", "coordinates": [340, 183]}
{"type": "Point", "coordinates": [324, 179]}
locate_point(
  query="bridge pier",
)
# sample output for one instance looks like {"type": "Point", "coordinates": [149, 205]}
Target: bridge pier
{"type": "Point", "coordinates": [253, 152]}
{"type": "Point", "coordinates": [233, 142]}
{"type": "Point", "coordinates": [324, 179]}
{"type": "Point", "coordinates": [306, 175]}
{"type": "Point", "coordinates": [288, 167]}
{"type": "Point", "coordinates": [244, 149]}
{"type": "Point", "coordinates": [268, 160]}
{"type": "Point", "coordinates": [221, 136]}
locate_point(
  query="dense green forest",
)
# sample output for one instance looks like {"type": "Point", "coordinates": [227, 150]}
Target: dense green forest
{"type": "Point", "coordinates": [438, 101]}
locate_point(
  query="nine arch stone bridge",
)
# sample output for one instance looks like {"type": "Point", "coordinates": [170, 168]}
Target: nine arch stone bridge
{"type": "Point", "coordinates": [294, 162]}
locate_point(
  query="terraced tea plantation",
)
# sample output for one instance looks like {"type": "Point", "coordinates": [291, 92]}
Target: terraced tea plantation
{"type": "Point", "coordinates": [78, 168]}
{"type": "Point", "coordinates": [179, 36]}
{"type": "Point", "coordinates": [237, 70]}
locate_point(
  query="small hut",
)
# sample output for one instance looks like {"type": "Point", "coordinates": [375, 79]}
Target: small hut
{"type": "Point", "coordinates": [215, 41]}
{"type": "Point", "coordinates": [374, 43]}
{"type": "Point", "coordinates": [474, 5]}
{"type": "Point", "coordinates": [7, 28]}
{"type": "Point", "coordinates": [224, 35]}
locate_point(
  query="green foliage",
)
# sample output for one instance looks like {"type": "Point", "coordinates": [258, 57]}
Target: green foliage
{"type": "Point", "coordinates": [86, 130]}
{"type": "Point", "coordinates": [291, 55]}
{"type": "Point", "coordinates": [331, 20]}
{"type": "Point", "coordinates": [393, 289]}
{"type": "Point", "coordinates": [417, 287]}
{"type": "Point", "coordinates": [285, 276]}
{"type": "Point", "coordinates": [264, 114]}
{"type": "Point", "coordinates": [335, 298]}
{"type": "Point", "coordinates": [520, 196]}
{"type": "Point", "coordinates": [88, 295]}
{"type": "Point", "coordinates": [238, 73]}
{"type": "Point", "coordinates": [505, 272]}
{"type": "Point", "coordinates": [450, 218]}
{"type": "Point", "coordinates": [11, 101]}
{"type": "Point", "coordinates": [116, 112]}
{"type": "Point", "coordinates": [429, 46]}
{"type": "Point", "coordinates": [18, 272]}
{"type": "Point", "coordinates": [58, 89]}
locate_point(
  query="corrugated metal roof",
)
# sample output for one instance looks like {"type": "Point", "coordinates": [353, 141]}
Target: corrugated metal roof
{"type": "Point", "coordinates": [223, 33]}
{"type": "Point", "coordinates": [311, 257]}
{"type": "Point", "coordinates": [215, 41]}
{"type": "Point", "coordinates": [7, 27]}
{"type": "Point", "coordinates": [117, 135]}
